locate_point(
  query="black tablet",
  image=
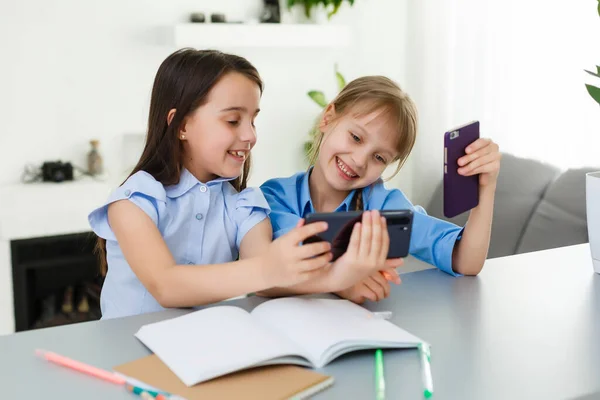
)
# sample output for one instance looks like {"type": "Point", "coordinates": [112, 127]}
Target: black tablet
{"type": "Point", "coordinates": [340, 224]}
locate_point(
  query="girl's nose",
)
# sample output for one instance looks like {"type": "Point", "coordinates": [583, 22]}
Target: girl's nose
{"type": "Point", "coordinates": [248, 134]}
{"type": "Point", "coordinates": [360, 158]}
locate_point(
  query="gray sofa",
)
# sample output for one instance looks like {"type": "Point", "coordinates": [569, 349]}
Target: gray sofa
{"type": "Point", "coordinates": [537, 207]}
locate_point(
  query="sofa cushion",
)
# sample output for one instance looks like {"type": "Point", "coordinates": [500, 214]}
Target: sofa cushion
{"type": "Point", "coordinates": [521, 186]}
{"type": "Point", "coordinates": [560, 218]}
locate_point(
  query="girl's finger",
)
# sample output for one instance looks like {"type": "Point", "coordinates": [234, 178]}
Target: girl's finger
{"type": "Point", "coordinates": [303, 232]}
{"type": "Point", "coordinates": [393, 263]}
{"type": "Point", "coordinates": [469, 158]}
{"type": "Point", "coordinates": [377, 235]}
{"type": "Point", "coordinates": [365, 237]}
{"type": "Point", "coordinates": [490, 167]}
{"type": "Point", "coordinates": [381, 281]}
{"type": "Point", "coordinates": [354, 243]}
{"type": "Point", "coordinates": [376, 287]}
{"type": "Point", "coordinates": [312, 249]}
{"type": "Point", "coordinates": [478, 144]}
{"type": "Point", "coordinates": [391, 275]}
{"type": "Point", "coordinates": [300, 223]}
{"type": "Point", "coordinates": [484, 159]}
{"type": "Point", "coordinates": [316, 263]}
{"type": "Point", "coordinates": [370, 295]}
{"type": "Point", "coordinates": [385, 240]}
{"type": "Point", "coordinates": [369, 290]}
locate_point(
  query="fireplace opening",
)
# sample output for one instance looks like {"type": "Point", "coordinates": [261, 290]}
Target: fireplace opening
{"type": "Point", "coordinates": [56, 281]}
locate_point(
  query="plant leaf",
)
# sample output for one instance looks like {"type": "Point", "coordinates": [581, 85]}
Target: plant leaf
{"type": "Point", "coordinates": [596, 74]}
{"type": "Point", "coordinates": [341, 82]}
{"type": "Point", "coordinates": [598, 66]}
{"type": "Point", "coordinates": [318, 97]}
{"type": "Point", "coordinates": [598, 7]}
{"type": "Point", "coordinates": [594, 92]}
{"type": "Point", "coordinates": [336, 7]}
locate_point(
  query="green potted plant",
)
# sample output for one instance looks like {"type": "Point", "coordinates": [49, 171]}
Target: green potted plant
{"type": "Point", "coordinates": [592, 188]}
{"type": "Point", "coordinates": [308, 8]}
{"type": "Point", "coordinates": [594, 91]}
{"type": "Point", "coordinates": [321, 100]}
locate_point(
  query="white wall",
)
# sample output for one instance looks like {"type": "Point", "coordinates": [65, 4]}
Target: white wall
{"type": "Point", "coordinates": [517, 66]}
{"type": "Point", "coordinates": [73, 71]}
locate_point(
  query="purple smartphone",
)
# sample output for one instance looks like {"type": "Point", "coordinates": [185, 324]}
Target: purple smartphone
{"type": "Point", "coordinates": [461, 193]}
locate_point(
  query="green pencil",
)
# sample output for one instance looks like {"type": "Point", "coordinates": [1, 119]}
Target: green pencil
{"type": "Point", "coordinates": [379, 379]}
{"type": "Point", "coordinates": [425, 353]}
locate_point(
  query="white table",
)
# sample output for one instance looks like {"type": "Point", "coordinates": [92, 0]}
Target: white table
{"type": "Point", "coordinates": [528, 327]}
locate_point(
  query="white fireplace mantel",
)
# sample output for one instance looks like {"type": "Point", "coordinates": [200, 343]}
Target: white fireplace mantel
{"type": "Point", "coordinates": [39, 210]}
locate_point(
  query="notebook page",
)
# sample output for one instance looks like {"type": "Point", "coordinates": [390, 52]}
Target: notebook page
{"type": "Point", "coordinates": [324, 327]}
{"type": "Point", "coordinates": [212, 342]}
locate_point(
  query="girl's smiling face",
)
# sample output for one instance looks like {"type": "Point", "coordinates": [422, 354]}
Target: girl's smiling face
{"type": "Point", "coordinates": [356, 149]}
{"type": "Point", "coordinates": [218, 136]}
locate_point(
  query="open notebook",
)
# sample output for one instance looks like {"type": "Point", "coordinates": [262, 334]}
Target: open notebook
{"type": "Point", "coordinates": [309, 332]}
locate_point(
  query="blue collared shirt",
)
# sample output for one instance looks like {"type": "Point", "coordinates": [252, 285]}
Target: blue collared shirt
{"type": "Point", "coordinates": [432, 239]}
{"type": "Point", "coordinates": [200, 223]}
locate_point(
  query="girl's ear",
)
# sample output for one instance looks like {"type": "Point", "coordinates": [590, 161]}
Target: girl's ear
{"type": "Point", "coordinates": [170, 116]}
{"type": "Point", "coordinates": [327, 118]}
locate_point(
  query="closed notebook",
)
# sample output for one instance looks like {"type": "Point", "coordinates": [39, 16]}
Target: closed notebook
{"type": "Point", "coordinates": [275, 382]}
{"type": "Point", "coordinates": [308, 332]}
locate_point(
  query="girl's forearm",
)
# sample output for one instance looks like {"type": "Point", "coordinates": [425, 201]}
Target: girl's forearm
{"type": "Point", "coordinates": [319, 284]}
{"type": "Point", "coordinates": [471, 251]}
{"type": "Point", "coordinates": [194, 285]}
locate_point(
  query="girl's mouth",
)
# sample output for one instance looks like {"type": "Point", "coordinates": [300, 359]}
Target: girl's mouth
{"type": "Point", "coordinates": [238, 155]}
{"type": "Point", "coordinates": [345, 171]}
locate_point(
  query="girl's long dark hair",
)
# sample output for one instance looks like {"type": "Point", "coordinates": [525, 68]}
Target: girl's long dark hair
{"type": "Point", "coordinates": [183, 82]}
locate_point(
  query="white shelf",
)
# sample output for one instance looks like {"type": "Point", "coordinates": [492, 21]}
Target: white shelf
{"type": "Point", "coordinates": [222, 35]}
{"type": "Point", "coordinates": [48, 209]}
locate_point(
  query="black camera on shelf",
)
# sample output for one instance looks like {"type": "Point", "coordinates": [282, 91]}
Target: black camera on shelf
{"type": "Point", "coordinates": [57, 171]}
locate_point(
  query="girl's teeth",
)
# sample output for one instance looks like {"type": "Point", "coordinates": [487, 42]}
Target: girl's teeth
{"type": "Point", "coordinates": [343, 168]}
{"type": "Point", "coordinates": [237, 153]}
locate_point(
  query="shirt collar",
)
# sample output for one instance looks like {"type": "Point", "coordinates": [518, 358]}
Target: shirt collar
{"type": "Point", "coordinates": [306, 205]}
{"type": "Point", "coordinates": [187, 181]}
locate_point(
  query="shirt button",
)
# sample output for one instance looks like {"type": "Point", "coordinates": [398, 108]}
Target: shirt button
{"type": "Point", "coordinates": [190, 263]}
{"type": "Point", "coordinates": [198, 216]}
{"type": "Point", "coordinates": [203, 189]}
{"type": "Point", "coordinates": [127, 192]}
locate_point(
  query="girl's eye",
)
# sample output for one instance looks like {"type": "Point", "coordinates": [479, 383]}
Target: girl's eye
{"type": "Point", "coordinates": [380, 159]}
{"type": "Point", "coordinates": [354, 137]}
{"type": "Point", "coordinates": [233, 123]}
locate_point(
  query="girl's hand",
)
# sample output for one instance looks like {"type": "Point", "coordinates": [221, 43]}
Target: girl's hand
{"type": "Point", "coordinates": [483, 157]}
{"type": "Point", "coordinates": [288, 263]}
{"type": "Point", "coordinates": [366, 253]}
{"type": "Point", "coordinates": [375, 287]}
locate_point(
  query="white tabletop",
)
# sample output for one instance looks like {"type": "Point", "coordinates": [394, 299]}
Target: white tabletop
{"type": "Point", "coordinates": [528, 327]}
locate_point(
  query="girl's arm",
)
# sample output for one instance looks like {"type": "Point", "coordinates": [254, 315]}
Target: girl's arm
{"type": "Point", "coordinates": [172, 285]}
{"type": "Point", "coordinates": [483, 157]}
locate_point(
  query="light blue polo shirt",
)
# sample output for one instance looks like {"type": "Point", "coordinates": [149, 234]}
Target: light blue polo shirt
{"type": "Point", "coordinates": [432, 239]}
{"type": "Point", "coordinates": [201, 223]}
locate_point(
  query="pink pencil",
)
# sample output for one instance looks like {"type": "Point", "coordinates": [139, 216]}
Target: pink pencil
{"type": "Point", "coordinates": [81, 367]}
